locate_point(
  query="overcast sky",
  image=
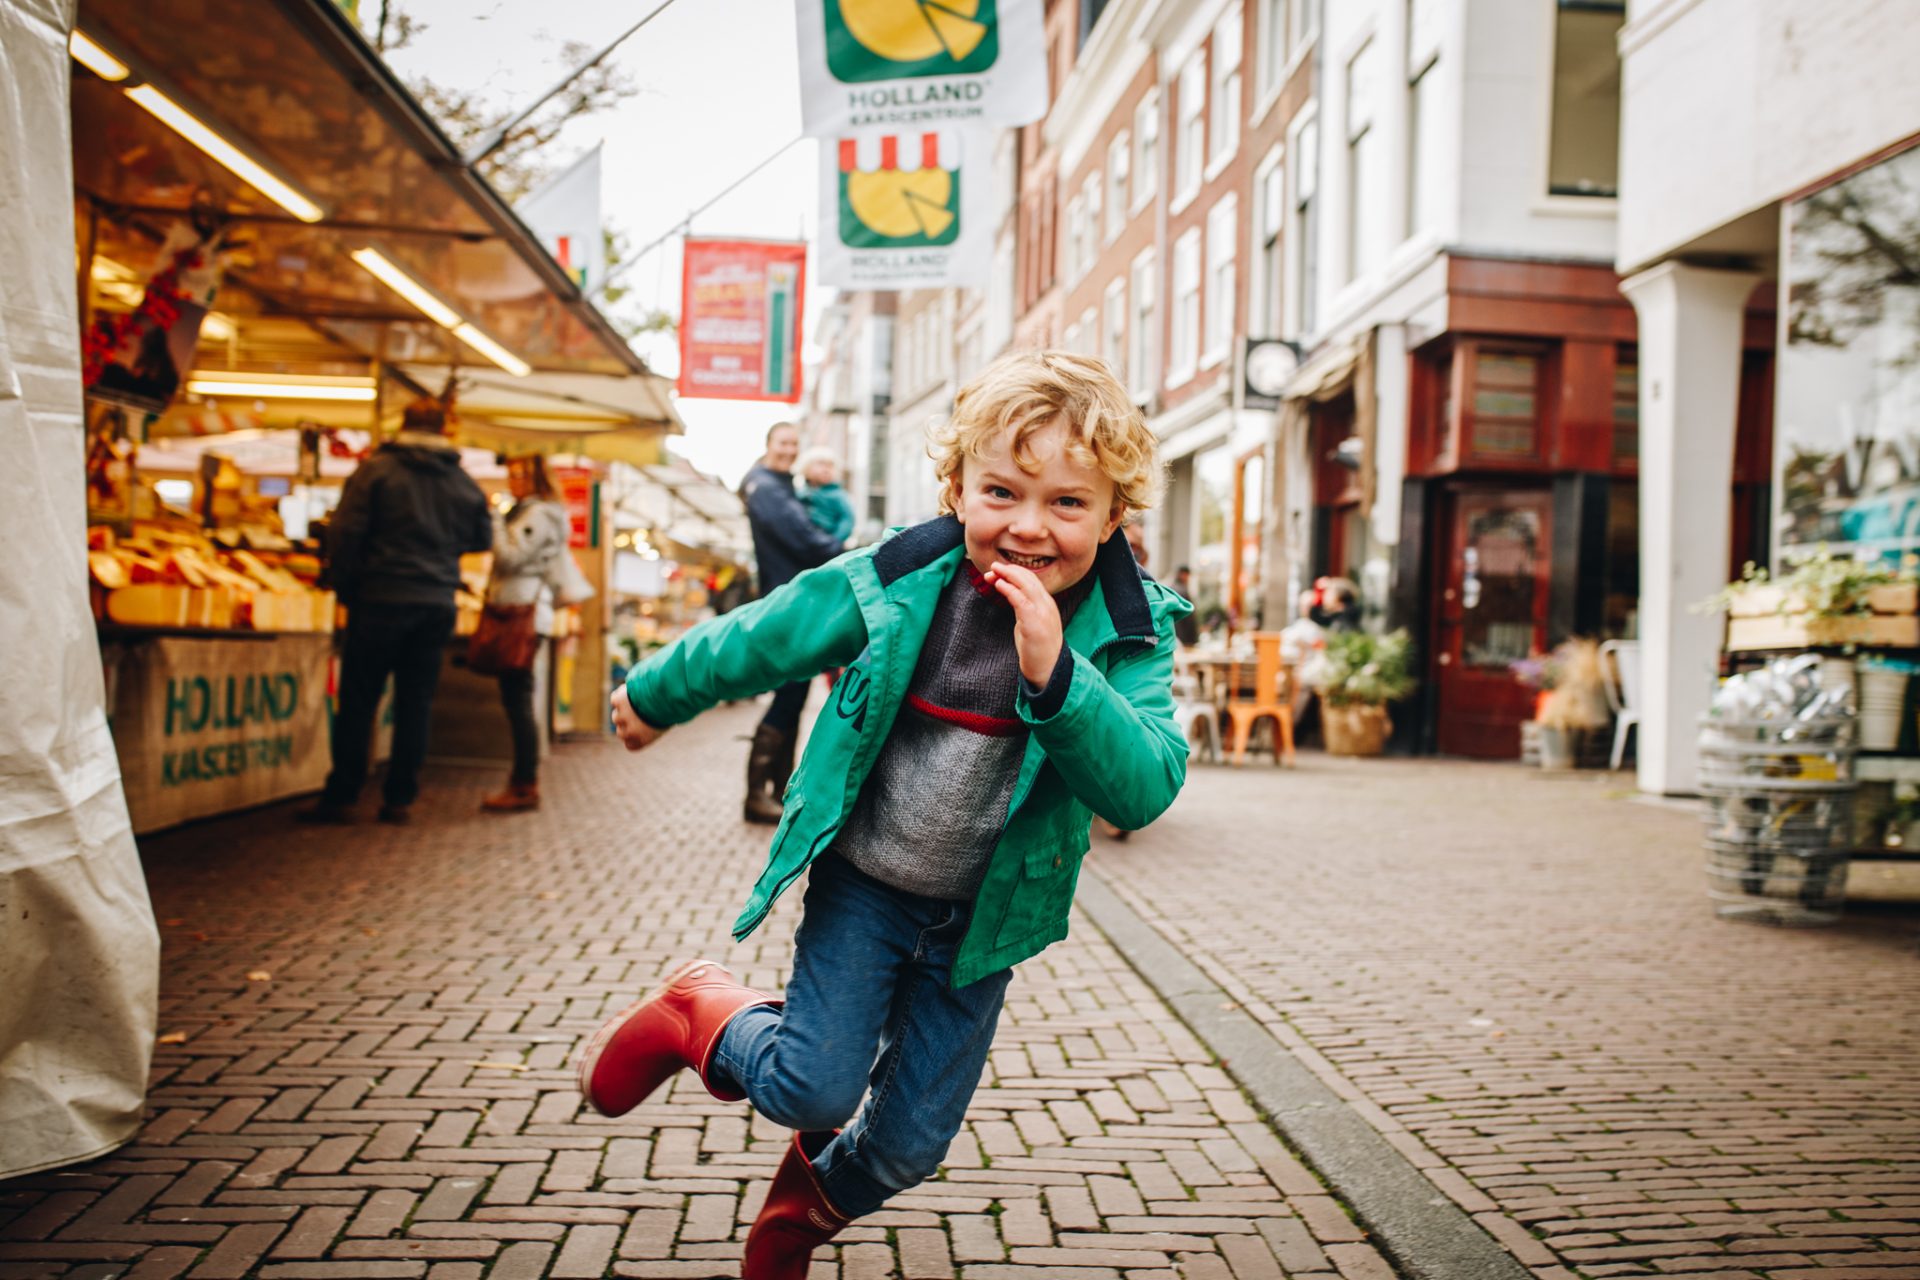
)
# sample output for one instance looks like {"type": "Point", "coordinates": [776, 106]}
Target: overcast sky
{"type": "Point", "coordinates": [719, 93]}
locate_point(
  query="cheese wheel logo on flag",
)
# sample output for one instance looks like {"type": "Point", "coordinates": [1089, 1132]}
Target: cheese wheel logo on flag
{"type": "Point", "coordinates": [906, 211]}
{"type": "Point", "coordinates": [905, 64]}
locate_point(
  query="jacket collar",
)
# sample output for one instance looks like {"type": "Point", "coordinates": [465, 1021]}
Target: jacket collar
{"type": "Point", "coordinates": [1121, 583]}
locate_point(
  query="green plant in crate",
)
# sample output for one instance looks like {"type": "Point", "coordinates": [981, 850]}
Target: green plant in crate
{"type": "Point", "coordinates": [1823, 585]}
{"type": "Point", "coordinates": [1358, 668]}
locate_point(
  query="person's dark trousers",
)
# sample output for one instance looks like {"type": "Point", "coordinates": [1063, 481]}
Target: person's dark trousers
{"type": "Point", "coordinates": [516, 695]}
{"type": "Point", "coordinates": [407, 642]}
{"type": "Point", "coordinates": [789, 700]}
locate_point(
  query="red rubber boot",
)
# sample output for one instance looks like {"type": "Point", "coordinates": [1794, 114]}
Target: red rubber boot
{"type": "Point", "coordinates": [796, 1219]}
{"type": "Point", "coordinates": [676, 1026]}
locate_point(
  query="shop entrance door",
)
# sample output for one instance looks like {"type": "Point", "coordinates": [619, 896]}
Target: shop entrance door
{"type": "Point", "coordinates": [1493, 612]}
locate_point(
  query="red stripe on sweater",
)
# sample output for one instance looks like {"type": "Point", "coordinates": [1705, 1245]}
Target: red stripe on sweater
{"type": "Point", "coordinates": [972, 721]}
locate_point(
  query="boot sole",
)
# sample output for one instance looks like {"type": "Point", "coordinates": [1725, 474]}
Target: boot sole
{"type": "Point", "coordinates": [590, 1056]}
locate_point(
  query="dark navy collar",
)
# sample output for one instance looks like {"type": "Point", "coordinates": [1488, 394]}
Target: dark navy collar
{"type": "Point", "coordinates": [1122, 582]}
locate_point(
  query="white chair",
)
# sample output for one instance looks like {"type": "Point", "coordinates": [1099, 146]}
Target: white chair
{"type": "Point", "coordinates": [1623, 690]}
{"type": "Point", "coordinates": [1198, 718]}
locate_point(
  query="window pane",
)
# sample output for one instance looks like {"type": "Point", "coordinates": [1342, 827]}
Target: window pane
{"type": "Point", "coordinates": [1626, 411]}
{"type": "Point", "coordinates": [1585, 156]}
{"type": "Point", "coordinates": [1505, 396]}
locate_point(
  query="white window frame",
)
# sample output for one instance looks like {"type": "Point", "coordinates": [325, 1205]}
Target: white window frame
{"type": "Point", "coordinates": [1119, 198]}
{"type": "Point", "coordinates": [1272, 52]}
{"type": "Point", "coordinates": [1224, 83]}
{"type": "Point", "coordinates": [1114, 338]}
{"type": "Point", "coordinates": [1070, 340]}
{"type": "Point", "coordinates": [1142, 326]}
{"type": "Point", "coordinates": [1303, 185]}
{"type": "Point", "coordinates": [1267, 246]}
{"type": "Point", "coordinates": [1148, 153]}
{"type": "Point", "coordinates": [1220, 281]}
{"type": "Point", "coordinates": [1303, 24]}
{"type": "Point", "coordinates": [1089, 327]}
{"type": "Point", "coordinates": [1070, 239]}
{"type": "Point", "coordinates": [1093, 195]}
{"type": "Point", "coordinates": [1190, 133]}
{"type": "Point", "coordinates": [1184, 316]}
{"type": "Point", "coordinates": [1362, 141]}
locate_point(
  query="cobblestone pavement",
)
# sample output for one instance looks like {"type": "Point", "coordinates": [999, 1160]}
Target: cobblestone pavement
{"type": "Point", "coordinates": [364, 1071]}
{"type": "Point", "coordinates": [1519, 981]}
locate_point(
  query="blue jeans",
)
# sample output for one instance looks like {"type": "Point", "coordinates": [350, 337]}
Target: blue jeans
{"type": "Point", "coordinates": [869, 1011]}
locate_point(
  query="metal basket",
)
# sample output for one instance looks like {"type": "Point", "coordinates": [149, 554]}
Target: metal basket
{"type": "Point", "coordinates": [1779, 816]}
{"type": "Point", "coordinates": [1776, 885]}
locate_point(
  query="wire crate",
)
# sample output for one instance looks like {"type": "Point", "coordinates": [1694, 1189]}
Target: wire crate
{"type": "Point", "coordinates": [1779, 817]}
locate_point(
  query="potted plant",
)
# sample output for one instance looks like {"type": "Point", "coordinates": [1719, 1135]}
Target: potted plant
{"type": "Point", "coordinates": [1356, 676]}
{"type": "Point", "coordinates": [1576, 703]}
{"type": "Point", "coordinates": [1823, 600]}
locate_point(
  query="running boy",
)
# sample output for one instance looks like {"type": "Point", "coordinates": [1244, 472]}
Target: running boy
{"type": "Point", "coordinates": [1008, 673]}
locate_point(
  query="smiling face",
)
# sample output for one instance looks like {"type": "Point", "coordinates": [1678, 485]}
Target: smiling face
{"type": "Point", "coordinates": [821, 471]}
{"type": "Point", "coordinates": [1051, 520]}
{"type": "Point", "coordinates": [783, 446]}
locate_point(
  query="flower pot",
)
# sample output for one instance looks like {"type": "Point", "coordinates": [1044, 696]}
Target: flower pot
{"type": "Point", "coordinates": [1556, 747]}
{"type": "Point", "coordinates": [1356, 729]}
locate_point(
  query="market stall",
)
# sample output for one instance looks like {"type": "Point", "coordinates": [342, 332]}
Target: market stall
{"type": "Point", "coordinates": [279, 250]}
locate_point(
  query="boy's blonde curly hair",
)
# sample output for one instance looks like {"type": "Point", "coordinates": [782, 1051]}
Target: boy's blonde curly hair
{"type": "Point", "coordinates": [1022, 394]}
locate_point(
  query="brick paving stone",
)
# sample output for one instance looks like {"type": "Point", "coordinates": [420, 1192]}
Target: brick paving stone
{"type": "Point", "coordinates": [1518, 981]}
{"type": "Point", "coordinates": [334, 1121]}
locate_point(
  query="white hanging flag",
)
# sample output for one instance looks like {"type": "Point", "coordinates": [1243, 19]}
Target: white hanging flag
{"type": "Point", "coordinates": [906, 211]}
{"type": "Point", "coordinates": [920, 64]}
{"type": "Point", "coordinates": [565, 215]}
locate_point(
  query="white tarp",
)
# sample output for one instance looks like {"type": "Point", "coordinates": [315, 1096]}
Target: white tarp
{"type": "Point", "coordinates": [79, 953]}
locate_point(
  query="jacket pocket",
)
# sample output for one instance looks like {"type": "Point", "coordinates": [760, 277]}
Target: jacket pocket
{"type": "Point", "coordinates": [1056, 857]}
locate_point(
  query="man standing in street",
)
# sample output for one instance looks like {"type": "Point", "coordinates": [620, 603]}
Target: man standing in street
{"type": "Point", "coordinates": [393, 554]}
{"type": "Point", "coordinates": [785, 541]}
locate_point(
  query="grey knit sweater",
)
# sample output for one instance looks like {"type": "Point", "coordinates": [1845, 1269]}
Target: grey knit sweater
{"type": "Point", "coordinates": [931, 811]}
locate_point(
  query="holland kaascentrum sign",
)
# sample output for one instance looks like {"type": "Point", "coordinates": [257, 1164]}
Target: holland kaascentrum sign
{"type": "Point", "coordinates": [915, 65]}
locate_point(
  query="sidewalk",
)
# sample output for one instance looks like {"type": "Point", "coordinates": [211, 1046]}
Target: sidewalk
{"type": "Point", "coordinates": [1518, 980]}
{"type": "Point", "coordinates": [366, 1040]}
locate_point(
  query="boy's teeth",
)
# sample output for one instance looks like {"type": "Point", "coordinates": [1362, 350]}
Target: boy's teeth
{"type": "Point", "coordinates": [1028, 562]}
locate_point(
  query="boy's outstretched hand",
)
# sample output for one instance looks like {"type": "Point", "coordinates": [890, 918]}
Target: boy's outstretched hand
{"type": "Point", "coordinates": [634, 732]}
{"type": "Point", "coordinates": [1036, 625]}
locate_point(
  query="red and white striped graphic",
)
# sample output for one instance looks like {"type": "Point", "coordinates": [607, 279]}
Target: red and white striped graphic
{"type": "Point", "coordinates": [873, 153]}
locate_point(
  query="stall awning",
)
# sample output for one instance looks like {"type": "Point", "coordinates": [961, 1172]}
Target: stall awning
{"type": "Point", "coordinates": [294, 85]}
{"type": "Point", "coordinates": [605, 418]}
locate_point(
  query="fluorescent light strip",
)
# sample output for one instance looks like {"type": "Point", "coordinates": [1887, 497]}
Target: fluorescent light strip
{"type": "Point", "coordinates": [243, 166]}
{"type": "Point", "coordinates": [492, 350]}
{"type": "Point", "coordinates": [95, 59]}
{"type": "Point", "coordinates": [279, 390]}
{"type": "Point", "coordinates": [407, 287]}
{"type": "Point", "coordinates": [380, 266]}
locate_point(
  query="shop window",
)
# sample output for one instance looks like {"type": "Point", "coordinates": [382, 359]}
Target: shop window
{"type": "Point", "coordinates": [1847, 437]}
{"type": "Point", "coordinates": [1584, 152]}
{"type": "Point", "coordinates": [1626, 412]}
{"type": "Point", "coordinates": [1506, 399]}
{"type": "Point", "coordinates": [1213, 476]}
{"type": "Point", "coordinates": [1245, 598]}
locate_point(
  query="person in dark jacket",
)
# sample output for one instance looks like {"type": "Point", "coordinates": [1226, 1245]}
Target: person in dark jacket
{"type": "Point", "coordinates": [785, 541]}
{"type": "Point", "coordinates": [393, 555]}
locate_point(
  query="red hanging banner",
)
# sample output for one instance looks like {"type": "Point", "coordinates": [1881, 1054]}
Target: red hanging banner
{"type": "Point", "coordinates": [740, 306]}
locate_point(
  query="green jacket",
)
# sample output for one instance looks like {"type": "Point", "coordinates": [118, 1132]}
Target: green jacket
{"type": "Point", "coordinates": [1112, 748]}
